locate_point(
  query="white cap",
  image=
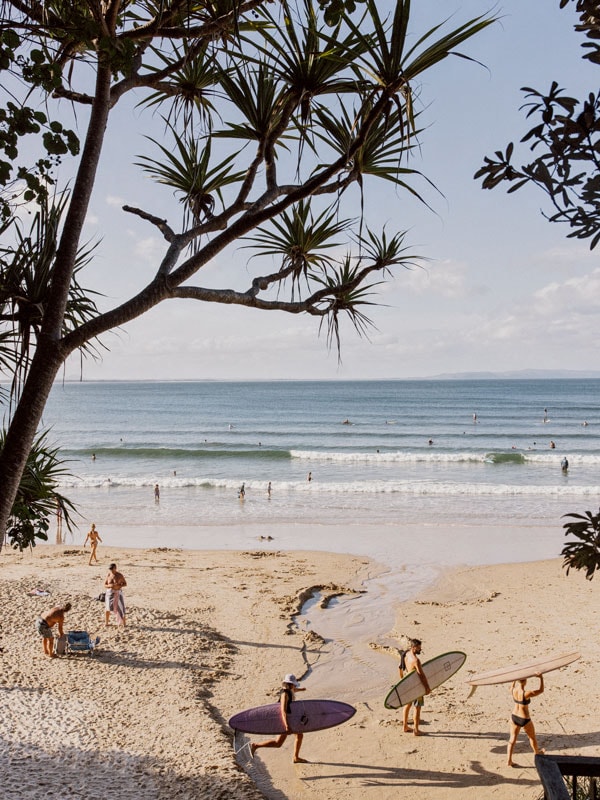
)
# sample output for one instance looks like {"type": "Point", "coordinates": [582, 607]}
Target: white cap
{"type": "Point", "coordinates": [291, 679]}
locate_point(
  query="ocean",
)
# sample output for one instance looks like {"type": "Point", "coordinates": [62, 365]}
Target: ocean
{"type": "Point", "coordinates": [378, 452]}
{"type": "Point", "coordinates": [417, 475]}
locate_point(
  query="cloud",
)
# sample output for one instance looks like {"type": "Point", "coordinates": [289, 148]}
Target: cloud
{"type": "Point", "coordinates": [442, 278]}
{"type": "Point", "coordinates": [111, 200]}
{"type": "Point", "coordinates": [578, 295]}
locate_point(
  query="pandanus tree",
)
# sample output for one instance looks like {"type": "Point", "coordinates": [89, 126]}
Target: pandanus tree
{"type": "Point", "coordinates": [277, 119]}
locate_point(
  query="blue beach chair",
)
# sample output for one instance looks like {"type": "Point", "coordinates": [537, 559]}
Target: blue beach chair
{"type": "Point", "coordinates": [80, 642]}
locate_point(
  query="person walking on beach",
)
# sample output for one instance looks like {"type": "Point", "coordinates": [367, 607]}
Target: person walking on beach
{"type": "Point", "coordinates": [45, 623]}
{"type": "Point", "coordinates": [156, 493]}
{"type": "Point", "coordinates": [412, 663]}
{"type": "Point", "coordinates": [93, 537]}
{"type": "Point", "coordinates": [289, 688]}
{"type": "Point", "coordinates": [114, 600]}
{"type": "Point", "coordinates": [520, 717]}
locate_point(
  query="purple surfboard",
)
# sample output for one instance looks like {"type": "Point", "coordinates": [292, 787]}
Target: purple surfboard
{"type": "Point", "coordinates": [304, 716]}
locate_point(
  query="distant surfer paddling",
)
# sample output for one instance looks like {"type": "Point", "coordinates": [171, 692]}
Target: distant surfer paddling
{"type": "Point", "coordinates": [410, 662]}
{"type": "Point", "coordinates": [289, 688]}
{"type": "Point", "coordinates": [520, 717]}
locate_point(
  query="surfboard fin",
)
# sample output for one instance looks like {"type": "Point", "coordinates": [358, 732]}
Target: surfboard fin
{"type": "Point", "coordinates": [472, 692]}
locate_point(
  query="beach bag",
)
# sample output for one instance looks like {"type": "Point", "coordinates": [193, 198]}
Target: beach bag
{"type": "Point", "coordinates": [101, 597]}
{"type": "Point", "coordinates": [60, 645]}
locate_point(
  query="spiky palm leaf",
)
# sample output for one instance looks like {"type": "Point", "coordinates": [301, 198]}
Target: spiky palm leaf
{"type": "Point", "coordinates": [393, 64]}
{"type": "Point", "coordinates": [384, 253]}
{"type": "Point", "coordinates": [308, 59]}
{"type": "Point", "coordinates": [381, 152]}
{"type": "Point", "coordinates": [189, 89]}
{"type": "Point", "coordinates": [299, 240]}
{"type": "Point", "coordinates": [347, 294]}
{"type": "Point", "coordinates": [254, 93]}
{"type": "Point", "coordinates": [37, 498]}
{"type": "Point", "coordinates": [26, 269]}
{"type": "Point", "coordinates": [189, 173]}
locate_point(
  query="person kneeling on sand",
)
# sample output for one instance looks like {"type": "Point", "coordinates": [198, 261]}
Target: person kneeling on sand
{"type": "Point", "coordinates": [45, 623]}
{"type": "Point", "coordinates": [290, 687]}
{"type": "Point", "coordinates": [412, 663]}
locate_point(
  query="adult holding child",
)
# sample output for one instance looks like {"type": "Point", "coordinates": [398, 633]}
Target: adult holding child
{"type": "Point", "coordinates": [114, 583]}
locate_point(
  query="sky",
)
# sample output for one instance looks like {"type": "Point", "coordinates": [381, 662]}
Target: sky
{"type": "Point", "coordinates": [498, 287]}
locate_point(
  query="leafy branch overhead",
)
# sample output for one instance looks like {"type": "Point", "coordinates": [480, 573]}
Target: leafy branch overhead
{"type": "Point", "coordinates": [270, 123]}
{"type": "Point", "coordinates": [584, 552]}
{"type": "Point", "coordinates": [564, 143]}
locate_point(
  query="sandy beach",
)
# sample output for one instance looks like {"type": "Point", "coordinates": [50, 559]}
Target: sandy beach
{"type": "Point", "coordinates": [210, 633]}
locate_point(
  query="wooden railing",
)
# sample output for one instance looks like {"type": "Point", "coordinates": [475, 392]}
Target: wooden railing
{"type": "Point", "coordinates": [553, 770]}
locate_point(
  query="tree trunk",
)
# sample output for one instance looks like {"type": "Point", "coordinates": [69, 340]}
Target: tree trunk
{"type": "Point", "coordinates": [50, 352]}
{"type": "Point", "coordinates": [23, 428]}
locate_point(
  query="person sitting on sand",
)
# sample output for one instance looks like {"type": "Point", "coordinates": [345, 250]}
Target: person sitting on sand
{"type": "Point", "coordinates": [93, 537]}
{"type": "Point", "coordinates": [45, 623]}
{"type": "Point", "coordinates": [286, 697]}
{"type": "Point", "coordinates": [412, 663]}
{"type": "Point", "coordinates": [114, 600]}
{"type": "Point", "coordinates": [520, 717]}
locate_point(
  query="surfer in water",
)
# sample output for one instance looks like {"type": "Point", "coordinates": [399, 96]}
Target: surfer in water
{"type": "Point", "coordinates": [409, 663]}
{"type": "Point", "coordinates": [286, 696]}
{"type": "Point", "coordinates": [520, 717]}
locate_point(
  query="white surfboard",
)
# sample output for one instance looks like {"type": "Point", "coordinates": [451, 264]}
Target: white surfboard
{"type": "Point", "coordinates": [525, 670]}
{"type": "Point", "coordinates": [437, 670]}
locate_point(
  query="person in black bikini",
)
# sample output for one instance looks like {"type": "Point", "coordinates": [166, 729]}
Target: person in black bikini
{"type": "Point", "coordinates": [520, 717]}
{"type": "Point", "coordinates": [290, 687]}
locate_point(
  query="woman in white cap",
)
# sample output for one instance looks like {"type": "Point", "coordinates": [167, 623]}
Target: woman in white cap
{"type": "Point", "coordinates": [290, 687]}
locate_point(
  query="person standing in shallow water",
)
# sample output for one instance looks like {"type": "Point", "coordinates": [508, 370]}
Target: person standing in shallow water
{"type": "Point", "coordinates": [289, 687]}
{"type": "Point", "coordinates": [520, 717]}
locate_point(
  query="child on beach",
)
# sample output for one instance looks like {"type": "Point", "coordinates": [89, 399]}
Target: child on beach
{"type": "Point", "coordinates": [290, 687]}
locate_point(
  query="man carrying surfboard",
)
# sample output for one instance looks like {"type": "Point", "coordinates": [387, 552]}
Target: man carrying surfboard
{"type": "Point", "coordinates": [412, 663]}
{"type": "Point", "coordinates": [290, 687]}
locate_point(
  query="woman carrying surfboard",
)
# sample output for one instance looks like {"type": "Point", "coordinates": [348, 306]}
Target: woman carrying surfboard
{"type": "Point", "coordinates": [290, 687]}
{"type": "Point", "coordinates": [520, 717]}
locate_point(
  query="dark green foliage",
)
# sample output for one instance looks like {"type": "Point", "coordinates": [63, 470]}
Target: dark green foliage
{"type": "Point", "coordinates": [28, 182]}
{"type": "Point", "coordinates": [565, 141]}
{"type": "Point", "coordinates": [37, 499]}
{"type": "Point", "coordinates": [584, 553]}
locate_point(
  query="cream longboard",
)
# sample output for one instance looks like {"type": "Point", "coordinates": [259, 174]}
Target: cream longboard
{"type": "Point", "coordinates": [525, 670]}
{"type": "Point", "coordinates": [437, 670]}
